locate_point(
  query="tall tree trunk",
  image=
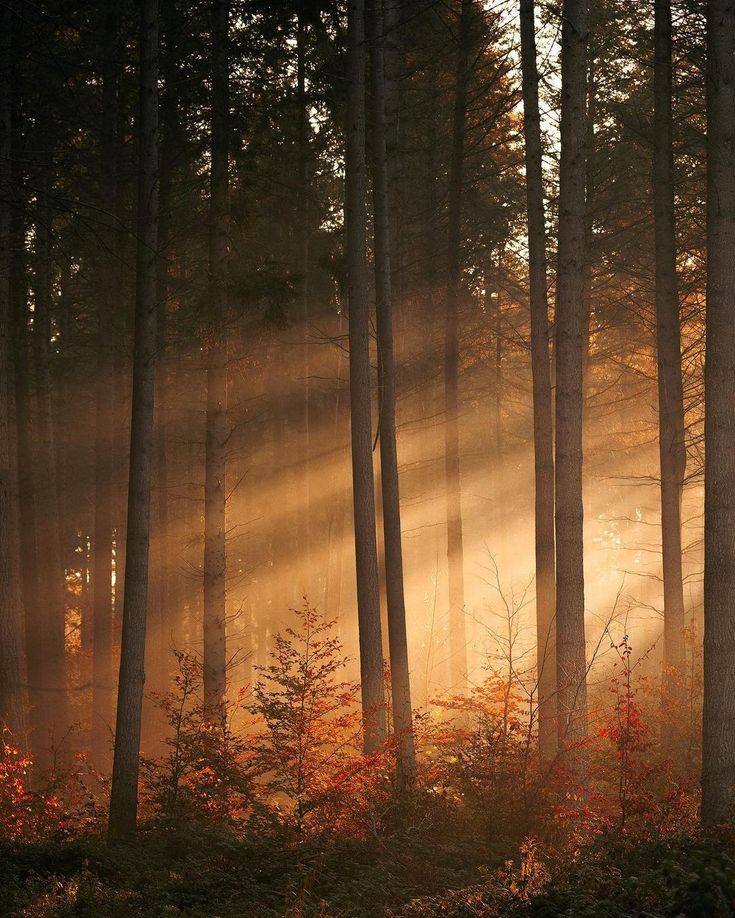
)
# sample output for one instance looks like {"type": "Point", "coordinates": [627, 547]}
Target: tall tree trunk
{"type": "Point", "coordinates": [718, 751]}
{"type": "Point", "coordinates": [39, 714]}
{"type": "Point", "coordinates": [53, 598]}
{"type": "Point", "coordinates": [304, 520]}
{"type": "Point", "coordinates": [498, 444]}
{"type": "Point", "coordinates": [216, 440]}
{"type": "Point", "coordinates": [12, 701]}
{"type": "Point", "coordinates": [672, 449]}
{"type": "Point", "coordinates": [124, 793]}
{"type": "Point", "coordinates": [543, 432]}
{"type": "Point", "coordinates": [589, 233]}
{"type": "Point", "coordinates": [163, 586]}
{"type": "Point", "coordinates": [455, 549]}
{"type": "Point", "coordinates": [102, 677]}
{"type": "Point", "coordinates": [396, 602]}
{"type": "Point", "coordinates": [363, 488]}
{"type": "Point", "coordinates": [570, 326]}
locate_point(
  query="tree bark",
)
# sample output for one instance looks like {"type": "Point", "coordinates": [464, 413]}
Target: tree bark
{"type": "Point", "coordinates": [39, 712]}
{"type": "Point", "coordinates": [543, 432]}
{"type": "Point", "coordinates": [393, 552]}
{"type": "Point", "coordinates": [672, 449]}
{"type": "Point", "coordinates": [12, 694]}
{"type": "Point", "coordinates": [363, 489]}
{"type": "Point", "coordinates": [570, 327]}
{"type": "Point", "coordinates": [124, 793]}
{"type": "Point", "coordinates": [455, 548]}
{"type": "Point", "coordinates": [718, 752]}
{"type": "Point", "coordinates": [103, 691]}
{"type": "Point", "coordinates": [215, 550]}
{"type": "Point", "coordinates": [47, 484]}
{"type": "Point", "coordinates": [304, 520]}
{"type": "Point", "coordinates": [164, 583]}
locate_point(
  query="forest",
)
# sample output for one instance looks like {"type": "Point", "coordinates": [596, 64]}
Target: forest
{"type": "Point", "coordinates": [367, 458]}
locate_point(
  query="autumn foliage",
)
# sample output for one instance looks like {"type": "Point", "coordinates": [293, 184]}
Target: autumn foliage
{"type": "Point", "coordinates": [283, 761]}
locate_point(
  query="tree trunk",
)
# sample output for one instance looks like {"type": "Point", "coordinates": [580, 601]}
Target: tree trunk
{"type": "Point", "coordinates": [304, 521]}
{"type": "Point", "coordinates": [396, 602]}
{"type": "Point", "coordinates": [363, 489]}
{"type": "Point", "coordinates": [12, 709]}
{"type": "Point", "coordinates": [718, 752]}
{"type": "Point", "coordinates": [570, 326]}
{"type": "Point", "coordinates": [53, 596]}
{"type": "Point", "coordinates": [39, 713]}
{"type": "Point", "coordinates": [543, 433]}
{"type": "Point", "coordinates": [164, 608]}
{"type": "Point", "coordinates": [455, 549]}
{"type": "Point", "coordinates": [672, 449]}
{"type": "Point", "coordinates": [124, 794]}
{"type": "Point", "coordinates": [215, 552]}
{"type": "Point", "coordinates": [102, 677]}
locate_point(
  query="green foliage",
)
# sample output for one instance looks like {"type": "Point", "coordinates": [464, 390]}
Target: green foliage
{"type": "Point", "coordinates": [188, 869]}
{"type": "Point", "coordinates": [667, 877]}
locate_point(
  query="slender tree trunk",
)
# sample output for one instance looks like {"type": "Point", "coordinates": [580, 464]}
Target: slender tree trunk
{"type": "Point", "coordinates": [304, 522]}
{"type": "Point", "coordinates": [12, 701]}
{"type": "Point", "coordinates": [102, 677]}
{"type": "Point", "coordinates": [124, 794]}
{"type": "Point", "coordinates": [396, 602]}
{"type": "Point", "coordinates": [570, 325]}
{"type": "Point", "coordinates": [543, 433]}
{"type": "Point", "coordinates": [498, 444]}
{"type": "Point", "coordinates": [215, 553]}
{"type": "Point", "coordinates": [363, 489]}
{"type": "Point", "coordinates": [47, 486]}
{"type": "Point", "coordinates": [672, 449]}
{"type": "Point", "coordinates": [335, 536]}
{"type": "Point", "coordinates": [718, 751]}
{"type": "Point", "coordinates": [121, 446]}
{"type": "Point", "coordinates": [163, 587]}
{"type": "Point", "coordinates": [39, 715]}
{"type": "Point", "coordinates": [455, 549]}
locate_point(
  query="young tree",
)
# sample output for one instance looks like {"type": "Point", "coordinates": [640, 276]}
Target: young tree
{"type": "Point", "coordinates": [672, 450]}
{"type": "Point", "coordinates": [543, 431]}
{"type": "Point", "coordinates": [382, 88]}
{"type": "Point", "coordinates": [570, 327]}
{"type": "Point", "coordinates": [124, 792]}
{"type": "Point", "coordinates": [455, 549]}
{"type": "Point", "coordinates": [215, 548]}
{"type": "Point", "coordinates": [363, 488]}
{"type": "Point", "coordinates": [718, 750]}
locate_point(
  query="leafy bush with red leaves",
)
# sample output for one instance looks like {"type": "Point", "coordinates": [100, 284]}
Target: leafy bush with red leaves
{"type": "Point", "coordinates": [33, 806]}
{"type": "Point", "coordinates": [207, 771]}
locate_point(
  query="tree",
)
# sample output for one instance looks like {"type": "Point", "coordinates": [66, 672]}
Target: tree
{"type": "Point", "coordinates": [363, 489]}
{"type": "Point", "coordinates": [215, 546]}
{"type": "Point", "coordinates": [124, 791]}
{"type": "Point", "coordinates": [382, 88]}
{"type": "Point", "coordinates": [455, 549]}
{"type": "Point", "coordinates": [48, 532]}
{"type": "Point", "coordinates": [718, 750]}
{"type": "Point", "coordinates": [543, 432]}
{"type": "Point", "coordinates": [102, 677]}
{"type": "Point", "coordinates": [12, 696]}
{"type": "Point", "coordinates": [672, 449]}
{"type": "Point", "coordinates": [570, 327]}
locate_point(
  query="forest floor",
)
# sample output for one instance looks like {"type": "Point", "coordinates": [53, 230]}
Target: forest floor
{"type": "Point", "coordinates": [185, 870]}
